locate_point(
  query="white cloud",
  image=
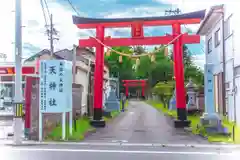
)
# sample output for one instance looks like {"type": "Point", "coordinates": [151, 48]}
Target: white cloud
{"type": "Point", "coordinates": [33, 22]}
{"type": "Point", "coordinates": [193, 5]}
{"type": "Point", "coordinates": [33, 32]}
{"type": "Point", "coordinates": [199, 60]}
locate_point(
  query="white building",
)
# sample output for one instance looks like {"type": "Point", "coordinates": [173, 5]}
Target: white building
{"type": "Point", "coordinates": [221, 29]}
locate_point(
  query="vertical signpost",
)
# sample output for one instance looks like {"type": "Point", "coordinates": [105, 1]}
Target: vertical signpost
{"type": "Point", "coordinates": [55, 92]}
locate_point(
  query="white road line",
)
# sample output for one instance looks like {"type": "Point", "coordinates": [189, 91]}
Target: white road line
{"type": "Point", "coordinates": [115, 151]}
{"type": "Point", "coordinates": [125, 143]}
{"type": "Point", "coordinates": [138, 144]}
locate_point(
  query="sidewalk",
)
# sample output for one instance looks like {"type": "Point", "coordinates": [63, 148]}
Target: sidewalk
{"type": "Point", "coordinates": [6, 127]}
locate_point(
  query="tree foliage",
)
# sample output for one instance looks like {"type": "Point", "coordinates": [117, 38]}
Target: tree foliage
{"type": "Point", "coordinates": [161, 70]}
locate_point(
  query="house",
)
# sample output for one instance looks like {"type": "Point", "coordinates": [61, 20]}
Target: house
{"type": "Point", "coordinates": [221, 29]}
{"type": "Point", "coordinates": [84, 57]}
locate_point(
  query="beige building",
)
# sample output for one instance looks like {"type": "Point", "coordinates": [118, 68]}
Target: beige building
{"type": "Point", "coordinates": [84, 57]}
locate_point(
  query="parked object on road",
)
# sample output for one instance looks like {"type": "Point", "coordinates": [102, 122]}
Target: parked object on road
{"type": "Point", "coordinates": [123, 100]}
{"type": "Point", "coordinates": [172, 102]}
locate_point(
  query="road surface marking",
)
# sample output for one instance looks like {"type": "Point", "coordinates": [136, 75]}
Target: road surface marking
{"type": "Point", "coordinates": [119, 141]}
{"type": "Point", "coordinates": [115, 151]}
{"type": "Point", "coordinates": [136, 144]}
{"type": "Point", "coordinates": [127, 144]}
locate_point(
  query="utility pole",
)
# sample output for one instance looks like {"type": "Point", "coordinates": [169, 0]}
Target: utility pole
{"type": "Point", "coordinates": [172, 12]}
{"type": "Point", "coordinates": [51, 35]}
{"type": "Point", "coordinates": [18, 97]}
{"type": "Point", "coordinates": [74, 62]}
{"type": "Point", "coordinates": [52, 32]}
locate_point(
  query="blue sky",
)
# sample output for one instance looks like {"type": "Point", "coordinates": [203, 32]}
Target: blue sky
{"type": "Point", "coordinates": [34, 38]}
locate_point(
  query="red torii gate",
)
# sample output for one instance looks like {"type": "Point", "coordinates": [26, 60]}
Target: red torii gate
{"type": "Point", "coordinates": [138, 38]}
{"type": "Point", "coordinates": [134, 83]}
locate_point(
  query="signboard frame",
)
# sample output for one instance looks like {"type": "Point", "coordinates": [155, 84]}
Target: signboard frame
{"type": "Point", "coordinates": [57, 75]}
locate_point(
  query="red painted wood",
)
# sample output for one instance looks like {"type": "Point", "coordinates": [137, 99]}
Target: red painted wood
{"type": "Point", "coordinates": [137, 30]}
{"type": "Point", "coordinates": [37, 66]}
{"type": "Point", "coordinates": [133, 80]}
{"type": "Point", "coordinates": [135, 84]}
{"type": "Point", "coordinates": [126, 91]}
{"type": "Point", "coordinates": [179, 68]}
{"type": "Point", "coordinates": [99, 70]}
{"type": "Point", "coordinates": [145, 23]}
{"type": "Point", "coordinates": [28, 97]}
{"type": "Point", "coordinates": [113, 42]}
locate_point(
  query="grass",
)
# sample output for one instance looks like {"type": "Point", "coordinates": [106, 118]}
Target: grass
{"type": "Point", "coordinates": [195, 121]}
{"type": "Point", "coordinates": [231, 128]}
{"type": "Point", "coordinates": [82, 126]}
{"type": "Point", "coordinates": [159, 106]}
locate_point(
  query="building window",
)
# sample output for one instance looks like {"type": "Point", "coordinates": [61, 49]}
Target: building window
{"type": "Point", "coordinates": [237, 71]}
{"type": "Point", "coordinates": [228, 27]}
{"type": "Point", "coordinates": [227, 85]}
{"type": "Point", "coordinates": [209, 46]}
{"type": "Point", "coordinates": [217, 37]}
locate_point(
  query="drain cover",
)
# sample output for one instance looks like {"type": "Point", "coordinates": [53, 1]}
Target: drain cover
{"type": "Point", "coordinates": [139, 130]}
{"type": "Point", "coordinates": [119, 141]}
{"type": "Point", "coordinates": [107, 136]}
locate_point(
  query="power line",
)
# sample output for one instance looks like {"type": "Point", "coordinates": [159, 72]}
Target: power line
{"type": "Point", "coordinates": [176, 12]}
{"type": "Point", "coordinates": [120, 53]}
{"type": "Point", "coordinates": [71, 4]}
{"type": "Point", "coordinates": [49, 15]}
{"type": "Point", "coordinates": [50, 30]}
{"type": "Point", "coordinates": [44, 15]}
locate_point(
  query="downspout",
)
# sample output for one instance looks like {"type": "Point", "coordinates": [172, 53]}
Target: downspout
{"type": "Point", "coordinates": [89, 76]}
{"type": "Point", "coordinates": [224, 65]}
{"type": "Point", "coordinates": [233, 93]}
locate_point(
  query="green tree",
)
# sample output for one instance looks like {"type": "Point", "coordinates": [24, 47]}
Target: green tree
{"type": "Point", "coordinates": [190, 69]}
{"type": "Point", "coordinates": [159, 70]}
{"type": "Point", "coordinates": [122, 69]}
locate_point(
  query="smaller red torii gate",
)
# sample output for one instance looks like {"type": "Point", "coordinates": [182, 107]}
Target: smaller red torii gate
{"type": "Point", "coordinates": [134, 83]}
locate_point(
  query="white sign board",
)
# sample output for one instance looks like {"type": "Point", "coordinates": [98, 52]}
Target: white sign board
{"type": "Point", "coordinates": [55, 86]}
{"type": "Point", "coordinates": [55, 91]}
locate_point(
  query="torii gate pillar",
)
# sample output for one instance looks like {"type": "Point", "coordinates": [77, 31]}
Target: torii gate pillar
{"type": "Point", "coordinates": [181, 121]}
{"type": "Point", "coordinates": [97, 120]}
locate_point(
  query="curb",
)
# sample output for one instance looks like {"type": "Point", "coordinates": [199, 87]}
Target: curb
{"type": "Point", "coordinates": [89, 132]}
{"type": "Point", "coordinates": [226, 146]}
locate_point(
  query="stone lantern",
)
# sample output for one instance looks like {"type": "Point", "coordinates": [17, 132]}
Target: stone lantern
{"type": "Point", "coordinates": [111, 102]}
{"type": "Point", "coordinates": [191, 93]}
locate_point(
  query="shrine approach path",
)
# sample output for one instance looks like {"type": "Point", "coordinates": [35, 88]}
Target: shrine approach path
{"type": "Point", "coordinates": [143, 124]}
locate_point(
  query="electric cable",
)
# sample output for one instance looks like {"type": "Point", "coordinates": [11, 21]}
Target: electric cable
{"type": "Point", "coordinates": [46, 4]}
{"type": "Point", "coordinates": [44, 15]}
{"type": "Point", "coordinates": [124, 54]}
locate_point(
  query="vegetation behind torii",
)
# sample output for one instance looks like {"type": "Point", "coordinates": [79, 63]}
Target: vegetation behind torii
{"type": "Point", "coordinates": [161, 70]}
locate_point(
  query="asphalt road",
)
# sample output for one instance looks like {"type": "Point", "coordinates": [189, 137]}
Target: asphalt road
{"type": "Point", "coordinates": [76, 152]}
{"type": "Point", "coordinates": [143, 124]}
{"type": "Point", "coordinates": [140, 133]}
